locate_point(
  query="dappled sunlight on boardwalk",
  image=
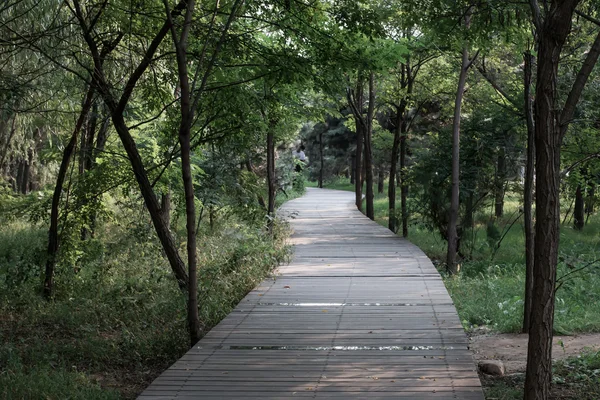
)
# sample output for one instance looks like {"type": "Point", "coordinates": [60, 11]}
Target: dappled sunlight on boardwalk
{"type": "Point", "coordinates": [359, 314]}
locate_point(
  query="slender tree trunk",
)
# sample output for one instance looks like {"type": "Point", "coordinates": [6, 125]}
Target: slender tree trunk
{"type": "Point", "coordinates": [369, 149]}
{"type": "Point", "coordinates": [400, 147]}
{"type": "Point", "coordinates": [590, 198]}
{"type": "Point", "coordinates": [89, 145]}
{"type": "Point", "coordinates": [165, 206]}
{"type": "Point", "coordinates": [352, 168]}
{"type": "Point", "coordinates": [578, 213]}
{"type": "Point", "coordinates": [26, 172]}
{"type": "Point", "coordinates": [321, 160]}
{"type": "Point", "coordinates": [528, 192]}
{"type": "Point", "coordinates": [85, 164]}
{"type": "Point", "coordinates": [356, 103]}
{"type": "Point", "coordinates": [404, 185]}
{"type": "Point", "coordinates": [393, 170]}
{"type": "Point", "coordinates": [499, 186]}
{"type": "Point", "coordinates": [162, 230]}
{"type": "Point", "coordinates": [18, 184]}
{"type": "Point", "coordinates": [190, 212]}
{"type": "Point", "coordinates": [380, 180]}
{"type": "Point", "coordinates": [13, 129]}
{"type": "Point", "coordinates": [187, 120]}
{"type": "Point", "coordinates": [271, 173]}
{"type": "Point", "coordinates": [53, 239]}
{"type": "Point", "coordinates": [101, 139]}
{"type": "Point", "coordinates": [358, 167]}
{"type": "Point", "coordinates": [453, 219]}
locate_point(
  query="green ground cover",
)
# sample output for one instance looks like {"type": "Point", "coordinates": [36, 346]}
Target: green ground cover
{"type": "Point", "coordinates": [573, 378]}
{"type": "Point", "coordinates": [118, 318]}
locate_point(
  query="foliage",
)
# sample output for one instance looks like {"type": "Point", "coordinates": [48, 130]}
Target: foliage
{"type": "Point", "coordinates": [119, 320]}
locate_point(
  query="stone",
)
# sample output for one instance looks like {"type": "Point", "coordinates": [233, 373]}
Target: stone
{"type": "Point", "coordinates": [492, 367]}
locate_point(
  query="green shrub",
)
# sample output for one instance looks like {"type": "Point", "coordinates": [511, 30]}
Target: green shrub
{"type": "Point", "coordinates": [22, 254]}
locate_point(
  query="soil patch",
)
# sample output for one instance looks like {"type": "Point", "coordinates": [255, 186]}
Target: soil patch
{"type": "Point", "coordinates": [511, 349]}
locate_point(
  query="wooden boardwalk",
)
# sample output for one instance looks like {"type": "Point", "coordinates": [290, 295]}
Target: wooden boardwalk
{"type": "Point", "coordinates": [359, 314]}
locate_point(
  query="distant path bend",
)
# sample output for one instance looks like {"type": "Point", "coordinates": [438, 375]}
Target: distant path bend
{"type": "Point", "coordinates": [359, 314]}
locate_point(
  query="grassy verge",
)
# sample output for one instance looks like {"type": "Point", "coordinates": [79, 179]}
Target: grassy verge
{"type": "Point", "coordinates": [118, 318]}
{"type": "Point", "coordinates": [577, 377]}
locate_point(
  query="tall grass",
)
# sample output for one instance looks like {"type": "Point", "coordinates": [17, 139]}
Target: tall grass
{"type": "Point", "coordinates": [118, 318]}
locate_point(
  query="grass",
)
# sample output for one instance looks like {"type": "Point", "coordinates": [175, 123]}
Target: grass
{"type": "Point", "coordinates": [489, 289]}
{"type": "Point", "coordinates": [118, 318]}
{"type": "Point", "coordinates": [576, 377]}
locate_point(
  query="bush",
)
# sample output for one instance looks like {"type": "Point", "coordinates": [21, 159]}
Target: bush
{"type": "Point", "coordinates": [120, 319]}
{"type": "Point", "coordinates": [22, 254]}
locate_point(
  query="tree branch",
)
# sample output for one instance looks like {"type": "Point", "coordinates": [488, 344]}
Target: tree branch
{"type": "Point", "coordinates": [582, 76]}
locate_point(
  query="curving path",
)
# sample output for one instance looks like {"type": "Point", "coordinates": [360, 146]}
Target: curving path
{"type": "Point", "coordinates": [359, 314]}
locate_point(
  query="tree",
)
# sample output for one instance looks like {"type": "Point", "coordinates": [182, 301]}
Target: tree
{"type": "Point", "coordinates": [466, 64]}
{"type": "Point", "coordinates": [553, 24]}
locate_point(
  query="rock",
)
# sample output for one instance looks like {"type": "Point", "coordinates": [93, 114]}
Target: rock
{"type": "Point", "coordinates": [492, 367]}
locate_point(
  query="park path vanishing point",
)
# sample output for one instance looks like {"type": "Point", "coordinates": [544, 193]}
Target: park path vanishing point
{"type": "Point", "coordinates": [359, 313]}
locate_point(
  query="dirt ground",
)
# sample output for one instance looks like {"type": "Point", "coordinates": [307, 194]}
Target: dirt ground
{"type": "Point", "coordinates": [511, 349]}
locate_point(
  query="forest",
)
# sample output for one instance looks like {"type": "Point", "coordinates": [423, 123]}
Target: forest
{"type": "Point", "coordinates": [145, 146]}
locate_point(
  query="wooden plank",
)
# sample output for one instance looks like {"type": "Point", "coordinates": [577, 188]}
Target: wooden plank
{"type": "Point", "coordinates": [358, 313]}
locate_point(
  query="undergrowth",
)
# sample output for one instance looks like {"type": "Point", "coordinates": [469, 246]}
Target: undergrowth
{"type": "Point", "coordinates": [118, 318]}
{"type": "Point", "coordinates": [573, 378]}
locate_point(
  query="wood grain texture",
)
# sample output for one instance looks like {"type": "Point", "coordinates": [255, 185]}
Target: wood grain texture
{"type": "Point", "coordinates": [359, 313]}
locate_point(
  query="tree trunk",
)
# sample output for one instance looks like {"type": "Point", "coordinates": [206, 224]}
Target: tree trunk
{"type": "Point", "coordinates": [358, 166]}
{"type": "Point", "coordinates": [369, 149]}
{"type": "Point", "coordinates": [165, 207]}
{"type": "Point", "coordinates": [162, 230]}
{"type": "Point", "coordinates": [551, 37]}
{"type": "Point", "coordinates": [212, 217]}
{"type": "Point", "coordinates": [271, 173]}
{"type": "Point", "coordinates": [321, 160]}
{"type": "Point", "coordinates": [499, 186]}
{"type": "Point", "coordinates": [404, 186]}
{"type": "Point", "coordinates": [117, 108]}
{"type": "Point", "coordinates": [393, 171]}
{"type": "Point", "coordinates": [453, 217]}
{"type": "Point", "coordinates": [590, 198]}
{"type": "Point", "coordinates": [190, 213]}
{"type": "Point", "coordinates": [352, 168]}
{"type": "Point", "coordinates": [101, 139]}
{"type": "Point", "coordinates": [53, 239]}
{"type": "Point", "coordinates": [85, 164]}
{"type": "Point", "coordinates": [26, 172]}
{"type": "Point", "coordinates": [187, 120]}
{"type": "Point", "coordinates": [528, 192]}
{"type": "Point", "coordinates": [5, 147]}
{"type": "Point", "coordinates": [380, 180]}
{"type": "Point", "coordinates": [578, 213]}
